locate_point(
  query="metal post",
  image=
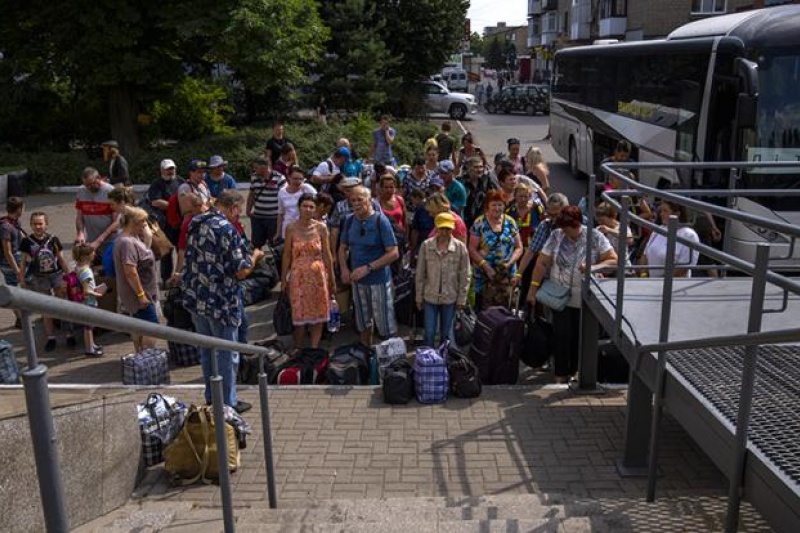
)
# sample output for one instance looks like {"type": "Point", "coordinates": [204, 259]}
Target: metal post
{"type": "Point", "coordinates": [746, 392]}
{"type": "Point", "coordinates": [622, 252]}
{"type": "Point", "coordinates": [222, 445]}
{"type": "Point", "coordinates": [661, 369]}
{"type": "Point", "coordinates": [587, 358]}
{"type": "Point", "coordinates": [267, 434]}
{"type": "Point", "coordinates": [43, 435]}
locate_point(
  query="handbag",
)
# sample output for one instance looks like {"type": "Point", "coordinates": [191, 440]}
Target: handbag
{"type": "Point", "coordinates": [282, 315]}
{"type": "Point", "coordinates": [161, 245]}
{"type": "Point", "coordinates": [553, 295]}
{"type": "Point", "coordinates": [193, 455]}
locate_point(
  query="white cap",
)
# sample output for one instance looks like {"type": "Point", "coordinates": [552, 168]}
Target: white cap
{"type": "Point", "coordinates": [167, 163]}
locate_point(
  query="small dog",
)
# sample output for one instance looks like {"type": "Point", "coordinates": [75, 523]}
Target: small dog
{"type": "Point", "coordinates": [497, 291]}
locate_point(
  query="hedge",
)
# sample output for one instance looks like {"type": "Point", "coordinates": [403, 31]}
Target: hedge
{"type": "Point", "coordinates": [314, 142]}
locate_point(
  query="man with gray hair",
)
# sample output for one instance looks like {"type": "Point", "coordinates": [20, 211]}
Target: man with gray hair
{"type": "Point", "coordinates": [368, 246]}
{"type": "Point", "coordinates": [555, 203]}
{"type": "Point", "coordinates": [95, 221]}
{"type": "Point", "coordinates": [215, 261]}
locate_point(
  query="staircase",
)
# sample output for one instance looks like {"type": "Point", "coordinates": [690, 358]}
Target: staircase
{"type": "Point", "coordinates": [541, 513]}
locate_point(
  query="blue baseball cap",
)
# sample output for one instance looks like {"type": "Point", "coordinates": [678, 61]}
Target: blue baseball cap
{"type": "Point", "coordinates": [344, 152]}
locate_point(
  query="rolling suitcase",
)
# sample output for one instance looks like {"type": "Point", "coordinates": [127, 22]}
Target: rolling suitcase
{"type": "Point", "coordinates": [148, 367]}
{"type": "Point", "coordinates": [496, 345]}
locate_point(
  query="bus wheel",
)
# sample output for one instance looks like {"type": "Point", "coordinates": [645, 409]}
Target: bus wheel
{"type": "Point", "coordinates": [573, 158]}
{"type": "Point", "coordinates": [530, 109]}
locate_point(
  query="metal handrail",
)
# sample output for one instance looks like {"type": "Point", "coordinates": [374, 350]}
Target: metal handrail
{"type": "Point", "coordinates": [760, 272]}
{"type": "Point", "coordinates": [39, 406]}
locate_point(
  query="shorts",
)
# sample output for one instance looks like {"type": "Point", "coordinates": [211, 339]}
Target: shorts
{"type": "Point", "coordinates": [374, 304]}
{"type": "Point", "coordinates": [9, 276]}
{"type": "Point", "coordinates": [149, 313]}
{"type": "Point", "coordinates": [47, 282]}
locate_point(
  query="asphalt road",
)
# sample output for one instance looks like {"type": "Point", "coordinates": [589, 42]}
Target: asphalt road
{"type": "Point", "coordinates": [492, 131]}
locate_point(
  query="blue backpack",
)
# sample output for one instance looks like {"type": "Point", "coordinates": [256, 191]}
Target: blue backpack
{"type": "Point", "coordinates": [431, 378]}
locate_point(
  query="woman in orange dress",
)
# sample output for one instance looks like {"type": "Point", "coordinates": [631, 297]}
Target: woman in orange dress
{"type": "Point", "coordinates": [308, 272]}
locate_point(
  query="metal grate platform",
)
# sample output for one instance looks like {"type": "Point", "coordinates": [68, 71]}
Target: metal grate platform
{"type": "Point", "coordinates": [716, 374]}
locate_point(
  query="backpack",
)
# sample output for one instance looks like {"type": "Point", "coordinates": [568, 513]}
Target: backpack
{"type": "Point", "coordinates": [348, 365]}
{"type": "Point", "coordinates": [398, 382]}
{"type": "Point", "coordinates": [74, 287]}
{"type": "Point", "coordinates": [43, 259]}
{"type": "Point", "coordinates": [431, 379]}
{"type": "Point", "coordinates": [465, 381]}
{"type": "Point", "coordinates": [173, 213]}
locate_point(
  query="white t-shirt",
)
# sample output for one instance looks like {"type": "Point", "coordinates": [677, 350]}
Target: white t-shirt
{"type": "Point", "coordinates": [567, 256]}
{"type": "Point", "coordinates": [287, 205]}
{"type": "Point", "coordinates": [656, 252]}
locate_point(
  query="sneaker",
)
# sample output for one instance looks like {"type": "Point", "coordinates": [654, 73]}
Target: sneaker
{"type": "Point", "coordinates": [50, 345]}
{"type": "Point", "coordinates": [242, 407]}
{"type": "Point", "coordinates": [97, 349]}
{"type": "Point", "coordinates": [93, 353]}
{"type": "Point", "coordinates": [71, 342]}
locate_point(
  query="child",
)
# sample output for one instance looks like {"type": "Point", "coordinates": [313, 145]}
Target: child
{"type": "Point", "coordinates": [43, 261]}
{"type": "Point", "coordinates": [11, 234]}
{"type": "Point", "coordinates": [83, 255]}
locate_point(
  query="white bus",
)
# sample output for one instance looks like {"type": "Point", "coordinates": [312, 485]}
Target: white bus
{"type": "Point", "coordinates": [724, 88]}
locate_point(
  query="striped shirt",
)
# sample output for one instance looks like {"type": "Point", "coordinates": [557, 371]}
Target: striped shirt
{"type": "Point", "coordinates": [265, 204]}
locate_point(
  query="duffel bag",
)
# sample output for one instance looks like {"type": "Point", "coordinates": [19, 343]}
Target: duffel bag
{"type": "Point", "coordinates": [193, 455]}
{"type": "Point", "coordinates": [161, 418]}
{"type": "Point", "coordinates": [250, 364]}
{"type": "Point", "coordinates": [398, 382]}
{"type": "Point", "coordinates": [465, 381]}
{"type": "Point", "coordinates": [464, 326]}
{"type": "Point", "coordinates": [307, 367]}
{"type": "Point", "coordinates": [431, 381]}
{"type": "Point", "coordinates": [349, 365]}
{"type": "Point", "coordinates": [538, 344]}
{"type": "Point", "coordinates": [148, 367]}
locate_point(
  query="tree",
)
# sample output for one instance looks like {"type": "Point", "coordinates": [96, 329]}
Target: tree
{"type": "Point", "coordinates": [495, 54]}
{"type": "Point", "coordinates": [127, 53]}
{"type": "Point", "coordinates": [476, 44]}
{"type": "Point", "coordinates": [354, 74]}
{"type": "Point", "coordinates": [423, 34]}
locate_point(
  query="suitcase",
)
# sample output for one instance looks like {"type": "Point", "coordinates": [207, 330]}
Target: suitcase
{"type": "Point", "coordinates": [405, 311]}
{"type": "Point", "coordinates": [183, 354]}
{"type": "Point", "coordinates": [612, 367]}
{"type": "Point", "coordinates": [306, 368]}
{"type": "Point", "coordinates": [148, 367]}
{"type": "Point", "coordinates": [496, 345]}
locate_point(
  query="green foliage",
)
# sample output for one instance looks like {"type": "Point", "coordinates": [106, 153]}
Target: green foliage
{"type": "Point", "coordinates": [355, 74]}
{"type": "Point", "coordinates": [495, 54]}
{"type": "Point", "coordinates": [314, 143]}
{"type": "Point", "coordinates": [195, 108]}
{"type": "Point", "coordinates": [476, 44]}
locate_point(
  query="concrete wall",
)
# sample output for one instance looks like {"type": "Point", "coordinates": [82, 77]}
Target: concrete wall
{"type": "Point", "coordinates": [99, 450]}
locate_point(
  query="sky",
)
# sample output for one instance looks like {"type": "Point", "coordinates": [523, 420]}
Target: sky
{"type": "Point", "coordinates": [484, 13]}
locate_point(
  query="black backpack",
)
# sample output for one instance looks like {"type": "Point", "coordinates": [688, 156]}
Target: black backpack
{"type": "Point", "coordinates": [349, 365]}
{"type": "Point", "coordinates": [398, 382]}
{"type": "Point", "coordinates": [465, 381]}
{"type": "Point", "coordinates": [250, 364]}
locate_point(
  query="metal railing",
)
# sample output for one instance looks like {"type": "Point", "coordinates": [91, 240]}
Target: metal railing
{"type": "Point", "coordinates": [37, 396]}
{"type": "Point", "coordinates": [759, 271]}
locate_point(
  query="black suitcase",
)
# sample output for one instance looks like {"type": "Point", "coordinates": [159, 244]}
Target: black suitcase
{"type": "Point", "coordinates": [612, 367]}
{"type": "Point", "coordinates": [404, 308]}
{"type": "Point", "coordinates": [538, 345]}
{"type": "Point", "coordinates": [496, 345]}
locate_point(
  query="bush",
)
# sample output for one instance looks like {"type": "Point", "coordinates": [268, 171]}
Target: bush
{"type": "Point", "coordinates": [313, 141]}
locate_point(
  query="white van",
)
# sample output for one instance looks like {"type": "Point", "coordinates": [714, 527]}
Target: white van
{"type": "Point", "coordinates": [456, 80]}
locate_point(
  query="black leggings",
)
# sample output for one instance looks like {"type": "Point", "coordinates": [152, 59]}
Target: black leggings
{"type": "Point", "coordinates": [566, 340]}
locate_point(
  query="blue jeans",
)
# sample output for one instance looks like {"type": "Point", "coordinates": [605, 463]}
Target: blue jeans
{"type": "Point", "coordinates": [227, 361]}
{"type": "Point", "coordinates": [440, 316]}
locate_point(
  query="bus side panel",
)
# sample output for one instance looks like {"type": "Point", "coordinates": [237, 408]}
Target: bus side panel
{"type": "Point", "coordinates": [562, 127]}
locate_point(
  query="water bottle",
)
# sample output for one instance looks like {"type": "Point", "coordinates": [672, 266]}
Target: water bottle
{"type": "Point", "coordinates": [334, 319]}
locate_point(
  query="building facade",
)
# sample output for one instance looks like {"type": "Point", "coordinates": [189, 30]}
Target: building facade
{"type": "Point", "coordinates": [555, 24]}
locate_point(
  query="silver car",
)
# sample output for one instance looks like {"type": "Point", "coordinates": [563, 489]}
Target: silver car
{"type": "Point", "coordinates": [440, 100]}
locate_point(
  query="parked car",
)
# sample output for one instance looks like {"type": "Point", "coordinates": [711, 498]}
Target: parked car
{"type": "Point", "coordinates": [456, 80]}
{"type": "Point", "coordinates": [440, 100]}
{"type": "Point", "coordinates": [528, 98]}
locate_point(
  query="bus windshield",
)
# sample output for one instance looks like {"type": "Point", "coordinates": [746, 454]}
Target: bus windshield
{"type": "Point", "coordinates": [777, 135]}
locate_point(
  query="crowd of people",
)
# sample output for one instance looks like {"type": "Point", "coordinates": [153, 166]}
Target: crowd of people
{"type": "Point", "coordinates": [470, 234]}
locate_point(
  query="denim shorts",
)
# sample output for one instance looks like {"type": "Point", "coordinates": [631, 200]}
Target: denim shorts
{"type": "Point", "coordinates": [46, 283]}
{"type": "Point", "coordinates": [9, 275]}
{"type": "Point", "coordinates": [149, 313]}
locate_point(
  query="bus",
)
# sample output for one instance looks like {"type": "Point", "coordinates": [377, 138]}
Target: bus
{"type": "Point", "coordinates": [725, 88]}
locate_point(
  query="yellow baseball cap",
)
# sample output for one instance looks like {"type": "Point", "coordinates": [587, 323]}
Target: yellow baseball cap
{"type": "Point", "coordinates": [445, 220]}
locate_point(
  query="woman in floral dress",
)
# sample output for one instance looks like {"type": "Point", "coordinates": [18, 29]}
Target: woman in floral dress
{"type": "Point", "coordinates": [308, 272]}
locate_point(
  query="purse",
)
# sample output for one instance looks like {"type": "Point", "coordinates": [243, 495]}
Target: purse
{"type": "Point", "coordinates": [282, 316]}
{"type": "Point", "coordinates": [553, 295]}
{"type": "Point", "coordinates": [161, 245]}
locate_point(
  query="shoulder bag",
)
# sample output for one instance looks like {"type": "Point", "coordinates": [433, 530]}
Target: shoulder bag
{"type": "Point", "coordinates": [554, 295]}
{"type": "Point", "coordinates": [282, 316]}
{"type": "Point", "coordinates": [160, 244]}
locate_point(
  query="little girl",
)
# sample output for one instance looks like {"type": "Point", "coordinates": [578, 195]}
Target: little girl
{"type": "Point", "coordinates": [83, 255]}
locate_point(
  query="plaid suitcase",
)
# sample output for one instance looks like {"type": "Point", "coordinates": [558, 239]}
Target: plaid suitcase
{"type": "Point", "coordinates": [183, 354]}
{"type": "Point", "coordinates": [148, 367]}
{"type": "Point", "coordinates": [9, 371]}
